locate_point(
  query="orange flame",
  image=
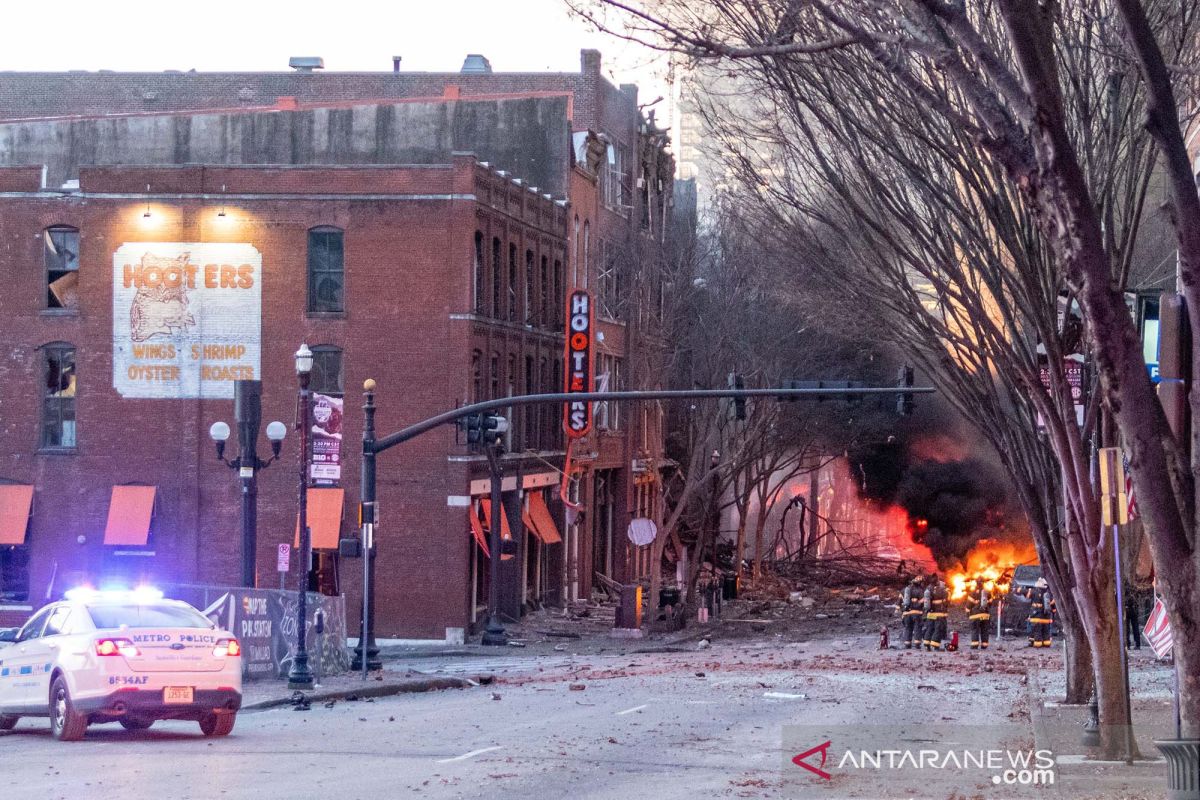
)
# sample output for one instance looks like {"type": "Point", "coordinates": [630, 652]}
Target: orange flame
{"type": "Point", "coordinates": [993, 561]}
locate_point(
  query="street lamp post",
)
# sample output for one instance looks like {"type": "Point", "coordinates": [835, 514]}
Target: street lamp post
{"type": "Point", "coordinates": [366, 655]}
{"type": "Point", "coordinates": [300, 676]}
{"type": "Point", "coordinates": [495, 634]}
{"type": "Point", "coordinates": [247, 413]}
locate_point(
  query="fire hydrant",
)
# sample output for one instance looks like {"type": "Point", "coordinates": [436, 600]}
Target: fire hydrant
{"type": "Point", "coordinates": [952, 647]}
{"type": "Point", "coordinates": [883, 638]}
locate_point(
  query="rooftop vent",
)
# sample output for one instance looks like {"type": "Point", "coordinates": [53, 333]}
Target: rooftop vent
{"type": "Point", "coordinates": [474, 62]}
{"type": "Point", "coordinates": [306, 63]}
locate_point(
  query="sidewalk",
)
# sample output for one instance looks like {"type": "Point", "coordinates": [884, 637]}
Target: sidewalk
{"type": "Point", "coordinates": [1060, 727]}
{"type": "Point", "coordinates": [262, 695]}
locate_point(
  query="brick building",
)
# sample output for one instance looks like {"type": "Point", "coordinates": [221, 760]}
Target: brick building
{"type": "Point", "coordinates": [90, 412]}
{"type": "Point", "coordinates": [452, 293]}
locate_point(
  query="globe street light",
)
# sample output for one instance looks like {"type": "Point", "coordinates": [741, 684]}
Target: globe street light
{"type": "Point", "coordinates": [300, 676]}
{"type": "Point", "coordinates": [247, 412]}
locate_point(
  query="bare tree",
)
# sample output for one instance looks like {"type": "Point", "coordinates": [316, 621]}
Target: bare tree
{"type": "Point", "coordinates": [1011, 79]}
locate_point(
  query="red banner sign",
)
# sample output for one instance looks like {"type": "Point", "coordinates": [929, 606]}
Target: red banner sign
{"type": "Point", "coordinates": [577, 414]}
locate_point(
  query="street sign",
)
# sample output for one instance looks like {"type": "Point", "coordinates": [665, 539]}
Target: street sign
{"type": "Point", "coordinates": [1158, 630]}
{"type": "Point", "coordinates": [283, 560]}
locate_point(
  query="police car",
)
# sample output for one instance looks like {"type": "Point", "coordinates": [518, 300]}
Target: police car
{"type": "Point", "coordinates": [128, 656]}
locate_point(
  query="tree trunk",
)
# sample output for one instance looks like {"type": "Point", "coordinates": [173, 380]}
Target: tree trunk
{"type": "Point", "coordinates": [1077, 659]}
{"type": "Point", "coordinates": [739, 547]}
{"type": "Point", "coordinates": [1110, 686]}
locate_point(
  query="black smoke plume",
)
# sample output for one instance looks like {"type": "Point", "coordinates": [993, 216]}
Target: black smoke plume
{"type": "Point", "coordinates": [952, 500]}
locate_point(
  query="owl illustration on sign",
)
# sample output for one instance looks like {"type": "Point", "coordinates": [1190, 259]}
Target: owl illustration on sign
{"type": "Point", "coordinates": [161, 307]}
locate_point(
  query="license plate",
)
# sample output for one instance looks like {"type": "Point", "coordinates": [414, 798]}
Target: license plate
{"type": "Point", "coordinates": [178, 694]}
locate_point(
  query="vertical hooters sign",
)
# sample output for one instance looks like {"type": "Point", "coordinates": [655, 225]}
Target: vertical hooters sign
{"type": "Point", "coordinates": [577, 414]}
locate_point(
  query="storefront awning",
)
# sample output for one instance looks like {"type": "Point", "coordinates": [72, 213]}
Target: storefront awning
{"type": "Point", "coordinates": [324, 517]}
{"type": "Point", "coordinates": [542, 521]}
{"type": "Point", "coordinates": [129, 513]}
{"type": "Point", "coordinates": [15, 501]}
{"type": "Point", "coordinates": [477, 530]}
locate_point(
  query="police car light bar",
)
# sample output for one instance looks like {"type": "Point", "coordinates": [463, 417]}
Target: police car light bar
{"type": "Point", "coordinates": [142, 594]}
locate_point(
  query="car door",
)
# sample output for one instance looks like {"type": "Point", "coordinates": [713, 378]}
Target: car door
{"type": "Point", "coordinates": [43, 652]}
{"type": "Point", "coordinates": [17, 682]}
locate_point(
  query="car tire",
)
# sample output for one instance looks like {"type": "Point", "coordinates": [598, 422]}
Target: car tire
{"type": "Point", "coordinates": [214, 724]}
{"type": "Point", "coordinates": [8, 721]}
{"type": "Point", "coordinates": [66, 724]}
{"type": "Point", "coordinates": [136, 723]}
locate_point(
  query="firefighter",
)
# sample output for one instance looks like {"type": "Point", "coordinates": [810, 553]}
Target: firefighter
{"type": "Point", "coordinates": [911, 611]}
{"type": "Point", "coordinates": [934, 603]}
{"type": "Point", "coordinates": [1041, 613]}
{"type": "Point", "coordinates": [979, 612]}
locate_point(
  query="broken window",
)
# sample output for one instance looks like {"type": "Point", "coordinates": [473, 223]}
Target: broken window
{"type": "Point", "coordinates": [544, 296]}
{"type": "Point", "coordinates": [476, 376]}
{"type": "Point", "coordinates": [58, 396]}
{"type": "Point", "coordinates": [530, 275]}
{"type": "Point", "coordinates": [513, 284]}
{"type": "Point", "coordinates": [326, 375]}
{"type": "Point", "coordinates": [480, 291]}
{"type": "Point", "coordinates": [326, 270]}
{"type": "Point", "coordinates": [61, 254]}
{"type": "Point", "coordinates": [497, 273]}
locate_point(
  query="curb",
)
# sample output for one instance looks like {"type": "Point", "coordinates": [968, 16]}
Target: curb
{"type": "Point", "coordinates": [375, 690]}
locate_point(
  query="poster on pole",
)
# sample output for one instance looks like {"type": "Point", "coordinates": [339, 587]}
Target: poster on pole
{"type": "Point", "coordinates": [326, 465]}
{"type": "Point", "coordinates": [187, 318]}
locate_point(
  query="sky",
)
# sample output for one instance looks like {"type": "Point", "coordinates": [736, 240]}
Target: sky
{"type": "Point", "coordinates": [430, 35]}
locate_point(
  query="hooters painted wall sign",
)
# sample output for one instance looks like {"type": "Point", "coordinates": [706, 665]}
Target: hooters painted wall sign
{"type": "Point", "coordinates": [577, 415]}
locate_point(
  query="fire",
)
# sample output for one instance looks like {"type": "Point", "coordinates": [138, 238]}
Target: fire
{"type": "Point", "coordinates": [993, 561]}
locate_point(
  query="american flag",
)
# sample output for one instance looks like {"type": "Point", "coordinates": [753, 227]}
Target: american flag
{"type": "Point", "coordinates": [1131, 508]}
{"type": "Point", "coordinates": [1158, 630]}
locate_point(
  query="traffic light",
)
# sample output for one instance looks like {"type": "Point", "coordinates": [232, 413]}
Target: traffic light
{"type": "Point", "coordinates": [739, 403]}
{"type": "Point", "coordinates": [484, 428]}
{"type": "Point", "coordinates": [904, 401]}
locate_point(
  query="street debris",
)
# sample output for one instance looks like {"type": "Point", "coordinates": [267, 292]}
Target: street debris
{"type": "Point", "coordinates": [785, 696]}
{"type": "Point", "coordinates": [577, 687]}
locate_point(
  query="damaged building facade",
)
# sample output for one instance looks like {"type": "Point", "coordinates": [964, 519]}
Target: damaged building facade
{"type": "Point", "coordinates": [420, 229]}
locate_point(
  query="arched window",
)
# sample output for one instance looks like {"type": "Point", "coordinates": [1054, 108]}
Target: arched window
{"type": "Point", "coordinates": [479, 292]}
{"type": "Point", "coordinates": [476, 376]}
{"type": "Point", "coordinates": [326, 270]}
{"type": "Point", "coordinates": [497, 276]}
{"type": "Point", "coordinates": [60, 252]}
{"type": "Point", "coordinates": [530, 275]}
{"type": "Point", "coordinates": [514, 283]}
{"type": "Point", "coordinates": [586, 267]}
{"type": "Point", "coordinates": [544, 301]}
{"type": "Point", "coordinates": [327, 370]}
{"type": "Point", "coordinates": [575, 251]}
{"type": "Point", "coordinates": [494, 376]}
{"type": "Point", "coordinates": [58, 396]}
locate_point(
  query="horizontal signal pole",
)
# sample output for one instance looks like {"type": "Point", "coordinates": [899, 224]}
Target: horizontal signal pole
{"type": "Point", "coordinates": [412, 431]}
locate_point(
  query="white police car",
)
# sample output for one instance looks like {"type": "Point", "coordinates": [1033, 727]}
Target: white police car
{"type": "Point", "coordinates": [129, 657]}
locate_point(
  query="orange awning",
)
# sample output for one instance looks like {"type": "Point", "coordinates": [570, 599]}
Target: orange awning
{"type": "Point", "coordinates": [477, 530]}
{"type": "Point", "coordinates": [324, 517]}
{"type": "Point", "coordinates": [505, 530]}
{"type": "Point", "coordinates": [543, 522]}
{"type": "Point", "coordinates": [15, 500]}
{"type": "Point", "coordinates": [129, 514]}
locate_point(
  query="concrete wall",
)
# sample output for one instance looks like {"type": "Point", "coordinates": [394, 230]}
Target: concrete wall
{"type": "Point", "coordinates": [529, 138]}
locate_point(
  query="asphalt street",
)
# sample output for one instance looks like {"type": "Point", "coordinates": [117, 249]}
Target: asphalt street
{"type": "Point", "coordinates": [700, 724]}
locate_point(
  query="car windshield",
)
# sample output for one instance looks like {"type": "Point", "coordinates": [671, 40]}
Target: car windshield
{"type": "Point", "coordinates": [146, 615]}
